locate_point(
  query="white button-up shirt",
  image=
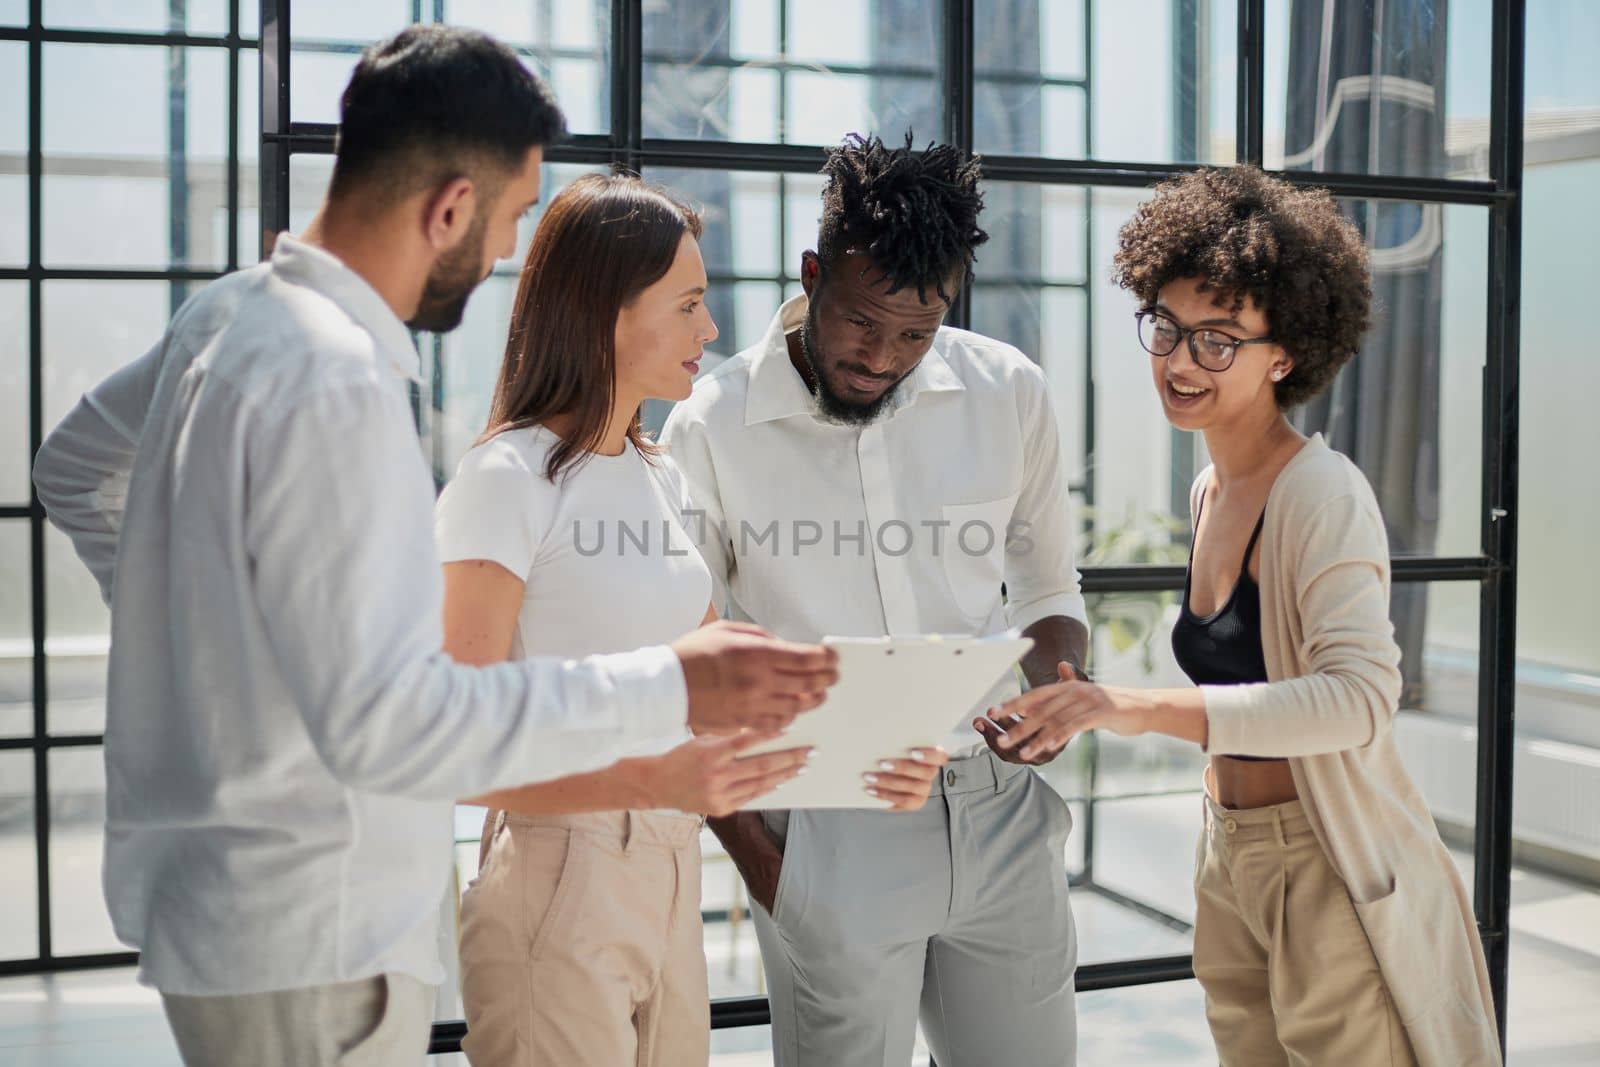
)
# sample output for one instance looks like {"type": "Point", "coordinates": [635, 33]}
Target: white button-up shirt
{"type": "Point", "coordinates": [908, 525]}
{"type": "Point", "coordinates": [285, 738]}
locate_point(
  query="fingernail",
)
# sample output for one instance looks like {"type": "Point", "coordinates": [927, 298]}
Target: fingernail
{"type": "Point", "coordinates": [870, 779]}
{"type": "Point", "coordinates": [919, 755]}
{"type": "Point", "coordinates": [874, 793]}
{"type": "Point", "coordinates": [801, 771]}
{"type": "Point", "coordinates": [1016, 716]}
{"type": "Point", "coordinates": [885, 765]}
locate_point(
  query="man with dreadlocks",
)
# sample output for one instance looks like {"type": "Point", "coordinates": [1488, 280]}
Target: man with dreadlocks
{"type": "Point", "coordinates": [866, 470]}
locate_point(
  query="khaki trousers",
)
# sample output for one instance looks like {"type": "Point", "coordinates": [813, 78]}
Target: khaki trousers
{"type": "Point", "coordinates": [375, 1022]}
{"type": "Point", "coordinates": [1288, 973]}
{"type": "Point", "coordinates": [581, 943]}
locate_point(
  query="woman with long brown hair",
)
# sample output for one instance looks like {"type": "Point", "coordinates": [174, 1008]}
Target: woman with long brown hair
{"type": "Point", "coordinates": [562, 535]}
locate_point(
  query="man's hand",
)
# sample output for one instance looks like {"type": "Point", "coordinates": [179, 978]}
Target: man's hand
{"type": "Point", "coordinates": [706, 775]}
{"type": "Point", "coordinates": [906, 783]}
{"type": "Point", "coordinates": [753, 852]}
{"type": "Point", "coordinates": [739, 675]}
{"type": "Point", "coordinates": [994, 727]}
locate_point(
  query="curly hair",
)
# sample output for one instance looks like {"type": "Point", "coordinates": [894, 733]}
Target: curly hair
{"type": "Point", "coordinates": [914, 213]}
{"type": "Point", "coordinates": [1244, 234]}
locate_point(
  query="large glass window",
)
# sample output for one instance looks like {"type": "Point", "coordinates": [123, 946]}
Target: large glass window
{"type": "Point", "coordinates": [145, 191]}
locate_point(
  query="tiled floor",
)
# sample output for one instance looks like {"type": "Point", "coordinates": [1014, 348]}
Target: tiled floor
{"type": "Point", "coordinates": [99, 1018]}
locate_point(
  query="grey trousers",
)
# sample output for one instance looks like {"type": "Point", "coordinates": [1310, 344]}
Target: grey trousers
{"type": "Point", "coordinates": [956, 914]}
{"type": "Point", "coordinates": [374, 1022]}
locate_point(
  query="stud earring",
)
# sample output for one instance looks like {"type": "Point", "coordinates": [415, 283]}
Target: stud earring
{"type": "Point", "coordinates": [1277, 375]}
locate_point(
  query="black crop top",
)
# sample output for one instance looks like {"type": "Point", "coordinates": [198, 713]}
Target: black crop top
{"type": "Point", "coordinates": [1223, 648]}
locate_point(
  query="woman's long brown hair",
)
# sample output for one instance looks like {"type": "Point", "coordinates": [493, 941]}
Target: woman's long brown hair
{"type": "Point", "coordinates": [603, 240]}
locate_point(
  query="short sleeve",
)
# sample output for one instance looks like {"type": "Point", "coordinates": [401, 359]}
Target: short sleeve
{"type": "Point", "coordinates": [498, 507]}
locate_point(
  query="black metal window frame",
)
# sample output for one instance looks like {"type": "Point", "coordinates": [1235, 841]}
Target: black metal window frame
{"type": "Point", "coordinates": [42, 741]}
{"type": "Point", "coordinates": [1493, 569]}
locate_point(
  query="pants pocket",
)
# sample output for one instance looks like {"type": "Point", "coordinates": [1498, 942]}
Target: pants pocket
{"type": "Point", "coordinates": [792, 836]}
{"type": "Point", "coordinates": [377, 1047]}
{"type": "Point", "coordinates": [552, 862]}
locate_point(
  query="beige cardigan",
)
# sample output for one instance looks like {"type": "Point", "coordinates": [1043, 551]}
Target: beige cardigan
{"type": "Point", "coordinates": [1328, 706]}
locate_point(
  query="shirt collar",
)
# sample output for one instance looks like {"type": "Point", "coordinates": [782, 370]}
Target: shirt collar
{"type": "Point", "coordinates": [318, 269]}
{"type": "Point", "coordinates": [778, 392]}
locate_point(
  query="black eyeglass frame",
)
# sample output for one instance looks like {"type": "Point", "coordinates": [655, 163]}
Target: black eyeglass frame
{"type": "Point", "coordinates": [1189, 334]}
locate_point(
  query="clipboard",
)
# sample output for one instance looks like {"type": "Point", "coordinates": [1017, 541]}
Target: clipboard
{"type": "Point", "coordinates": [893, 694]}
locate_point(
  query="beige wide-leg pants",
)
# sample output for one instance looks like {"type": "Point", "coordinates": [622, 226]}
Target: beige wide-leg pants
{"type": "Point", "coordinates": [1288, 972]}
{"type": "Point", "coordinates": [581, 943]}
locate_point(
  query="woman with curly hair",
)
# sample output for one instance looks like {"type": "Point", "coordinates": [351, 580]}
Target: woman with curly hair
{"type": "Point", "coordinates": [1331, 925]}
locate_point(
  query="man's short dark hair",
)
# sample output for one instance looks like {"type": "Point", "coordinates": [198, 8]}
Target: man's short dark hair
{"type": "Point", "coordinates": [436, 102]}
{"type": "Point", "coordinates": [914, 214]}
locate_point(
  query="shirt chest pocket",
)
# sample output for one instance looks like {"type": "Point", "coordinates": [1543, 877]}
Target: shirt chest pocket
{"type": "Point", "coordinates": [974, 553]}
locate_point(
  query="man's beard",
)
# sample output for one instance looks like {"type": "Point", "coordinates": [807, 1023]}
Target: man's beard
{"type": "Point", "coordinates": [451, 281]}
{"type": "Point", "coordinates": [836, 408]}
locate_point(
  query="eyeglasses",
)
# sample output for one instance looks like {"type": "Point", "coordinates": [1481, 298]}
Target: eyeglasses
{"type": "Point", "coordinates": [1212, 349]}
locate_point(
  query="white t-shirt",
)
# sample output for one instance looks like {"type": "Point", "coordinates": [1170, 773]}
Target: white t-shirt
{"type": "Point", "coordinates": [604, 552]}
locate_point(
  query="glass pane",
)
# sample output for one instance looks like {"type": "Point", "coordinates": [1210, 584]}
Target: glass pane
{"type": "Point", "coordinates": [568, 45]}
{"type": "Point", "coordinates": [14, 13]}
{"type": "Point", "coordinates": [357, 21]}
{"type": "Point", "coordinates": [16, 633]}
{"type": "Point", "coordinates": [1436, 625]}
{"type": "Point", "coordinates": [77, 640]}
{"type": "Point", "coordinates": [249, 220]}
{"type": "Point", "coordinates": [1030, 289]}
{"type": "Point", "coordinates": [1378, 88]}
{"type": "Point", "coordinates": [1555, 894]}
{"type": "Point", "coordinates": [14, 154]}
{"type": "Point", "coordinates": [79, 922]}
{"type": "Point", "coordinates": [1160, 1025]}
{"type": "Point", "coordinates": [90, 330]}
{"type": "Point", "coordinates": [149, 16]}
{"type": "Point", "coordinates": [1409, 408]}
{"type": "Point", "coordinates": [1185, 115]}
{"type": "Point", "coordinates": [1030, 90]}
{"type": "Point", "coordinates": [317, 80]}
{"type": "Point", "coordinates": [744, 71]}
{"type": "Point", "coordinates": [143, 184]}
{"type": "Point", "coordinates": [19, 884]}
{"type": "Point", "coordinates": [308, 184]}
{"type": "Point", "coordinates": [15, 455]}
{"type": "Point", "coordinates": [1555, 627]}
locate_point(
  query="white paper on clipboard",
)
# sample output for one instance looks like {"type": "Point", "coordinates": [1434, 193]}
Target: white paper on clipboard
{"type": "Point", "coordinates": [893, 694]}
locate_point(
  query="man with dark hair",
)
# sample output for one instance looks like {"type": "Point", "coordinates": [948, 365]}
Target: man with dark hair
{"type": "Point", "coordinates": [284, 734]}
{"type": "Point", "coordinates": [866, 470]}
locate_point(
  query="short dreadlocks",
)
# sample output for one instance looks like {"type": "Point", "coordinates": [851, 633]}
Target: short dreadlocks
{"type": "Point", "coordinates": [1244, 233]}
{"type": "Point", "coordinates": [915, 214]}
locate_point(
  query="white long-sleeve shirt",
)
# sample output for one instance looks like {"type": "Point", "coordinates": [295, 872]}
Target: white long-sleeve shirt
{"type": "Point", "coordinates": [908, 525]}
{"type": "Point", "coordinates": [284, 736]}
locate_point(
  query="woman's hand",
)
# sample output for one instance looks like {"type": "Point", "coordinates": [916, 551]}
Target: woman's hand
{"type": "Point", "coordinates": [906, 783]}
{"type": "Point", "coordinates": [707, 776]}
{"type": "Point", "coordinates": [1039, 724]}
